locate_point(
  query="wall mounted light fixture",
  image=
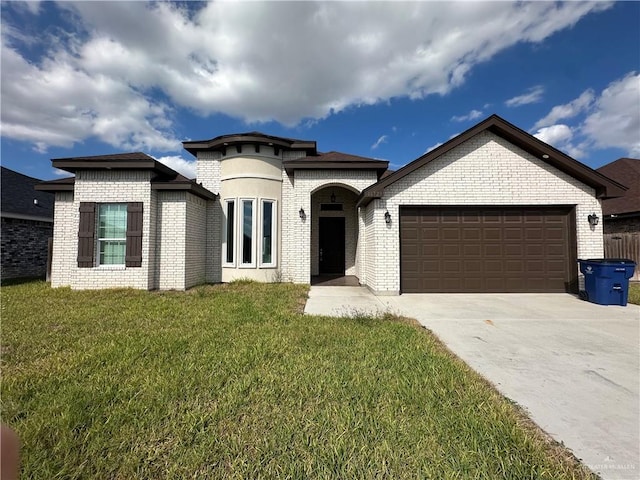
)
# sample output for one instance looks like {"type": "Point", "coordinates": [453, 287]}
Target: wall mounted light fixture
{"type": "Point", "coordinates": [387, 217]}
{"type": "Point", "coordinates": [593, 219]}
{"type": "Point", "coordinates": [302, 214]}
{"type": "Point", "coordinates": [333, 197]}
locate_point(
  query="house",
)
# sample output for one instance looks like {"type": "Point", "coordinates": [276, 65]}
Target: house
{"type": "Point", "coordinates": [621, 215]}
{"type": "Point", "coordinates": [27, 226]}
{"type": "Point", "coordinates": [492, 210]}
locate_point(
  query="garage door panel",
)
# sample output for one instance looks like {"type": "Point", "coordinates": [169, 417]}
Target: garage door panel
{"type": "Point", "coordinates": [486, 249]}
{"type": "Point", "coordinates": [473, 250]}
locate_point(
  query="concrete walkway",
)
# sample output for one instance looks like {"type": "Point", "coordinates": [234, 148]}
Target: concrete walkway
{"type": "Point", "coordinates": [573, 365]}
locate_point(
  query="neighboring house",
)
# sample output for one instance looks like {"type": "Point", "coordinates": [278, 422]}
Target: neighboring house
{"type": "Point", "coordinates": [622, 214]}
{"type": "Point", "coordinates": [27, 226]}
{"type": "Point", "coordinates": [492, 210]}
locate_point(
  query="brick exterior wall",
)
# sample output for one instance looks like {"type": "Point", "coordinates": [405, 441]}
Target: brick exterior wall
{"type": "Point", "coordinates": [170, 242]}
{"type": "Point", "coordinates": [485, 170]}
{"type": "Point", "coordinates": [195, 241]}
{"type": "Point", "coordinates": [296, 233]}
{"type": "Point", "coordinates": [24, 248]}
{"type": "Point", "coordinates": [105, 186]}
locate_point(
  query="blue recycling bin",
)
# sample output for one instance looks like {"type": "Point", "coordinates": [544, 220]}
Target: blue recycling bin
{"type": "Point", "coordinates": [606, 280]}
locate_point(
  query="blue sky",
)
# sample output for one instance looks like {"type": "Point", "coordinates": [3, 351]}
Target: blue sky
{"type": "Point", "coordinates": [387, 80]}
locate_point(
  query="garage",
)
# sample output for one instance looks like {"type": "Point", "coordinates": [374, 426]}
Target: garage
{"type": "Point", "coordinates": [487, 249]}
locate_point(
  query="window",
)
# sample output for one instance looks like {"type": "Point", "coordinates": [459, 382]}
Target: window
{"type": "Point", "coordinates": [268, 233]}
{"type": "Point", "coordinates": [229, 255]}
{"type": "Point", "coordinates": [331, 207]}
{"type": "Point", "coordinates": [112, 233]}
{"type": "Point", "coordinates": [247, 247]}
{"type": "Point", "coordinates": [249, 234]}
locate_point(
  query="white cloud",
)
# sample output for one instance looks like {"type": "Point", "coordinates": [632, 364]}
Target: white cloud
{"type": "Point", "coordinates": [433, 147]}
{"type": "Point", "coordinates": [380, 141]}
{"type": "Point", "coordinates": [554, 134]}
{"type": "Point", "coordinates": [472, 115]}
{"type": "Point", "coordinates": [533, 95]}
{"type": "Point", "coordinates": [180, 165]}
{"type": "Point", "coordinates": [610, 120]}
{"type": "Point", "coordinates": [561, 137]}
{"type": "Point", "coordinates": [114, 77]}
{"type": "Point", "coordinates": [568, 110]}
{"type": "Point", "coordinates": [615, 120]}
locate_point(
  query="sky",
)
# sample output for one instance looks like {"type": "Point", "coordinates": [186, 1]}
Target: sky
{"type": "Point", "coordinates": [386, 80]}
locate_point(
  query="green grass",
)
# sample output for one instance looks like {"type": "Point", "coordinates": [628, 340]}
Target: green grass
{"type": "Point", "coordinates": [634, 293]}
{"type": "Point", "coordinates": [232, 381]}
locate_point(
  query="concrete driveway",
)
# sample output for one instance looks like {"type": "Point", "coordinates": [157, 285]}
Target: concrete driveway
{"type": "Point", "coordinates": [573, 365]}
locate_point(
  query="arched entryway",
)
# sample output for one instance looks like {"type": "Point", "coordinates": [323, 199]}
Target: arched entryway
{"type": "Point", "coordinates": [334, 233]}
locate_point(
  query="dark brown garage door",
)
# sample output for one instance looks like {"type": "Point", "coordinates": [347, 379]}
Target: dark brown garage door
{"type": "Point", "coordinates": [487, 249]}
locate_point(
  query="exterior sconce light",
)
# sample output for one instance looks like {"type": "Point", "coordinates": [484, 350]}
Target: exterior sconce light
{"type": "Point", "coordinates": [387, 217]}
{"type": "Point", "coordinates": [593, 219]}
{"type": "Point", "coordinates": [302, 214]}
{"type": "Point", "coordinates": [333, 197]}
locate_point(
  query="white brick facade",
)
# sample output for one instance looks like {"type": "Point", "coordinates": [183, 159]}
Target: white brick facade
{"type": "Point", "coordinates": [485, 170]}
{"type": "Point", "coordinates": [174, 233]}
{"type": "Point", "coordinates": [296, 233]}
{"type": "Point", "coordinates": [105, 186]}
{"type": "Point", "coordinates": [182, 233]}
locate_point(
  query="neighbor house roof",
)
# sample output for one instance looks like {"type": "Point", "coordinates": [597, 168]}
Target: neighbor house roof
{"type": "Point", "coordinates": [604, 186]}
{"type": "Point", "coordinates": [256, 138]}
{"type": "Point", "coordinates": [627, 172]}
{"type": "Point", "coordinates": [336, 160]}
{"type": "Point", "coordinates": [165, 178]}
{"type": "Point", "coordinates": [19, 199]}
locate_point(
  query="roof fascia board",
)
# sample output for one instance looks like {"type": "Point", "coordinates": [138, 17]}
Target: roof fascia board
{"type": "Point", "coordinates": [54, 187]}
{"type": "Point", "coordinates": [189, 187]}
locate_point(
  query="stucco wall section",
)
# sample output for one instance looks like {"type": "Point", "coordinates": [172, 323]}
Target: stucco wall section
{"type": "Point", "coordinates": [105, 186]}
{"type": "Point", "coordinates": [485, 170]}
{"type": "Point", "coordinates": [296, 233]}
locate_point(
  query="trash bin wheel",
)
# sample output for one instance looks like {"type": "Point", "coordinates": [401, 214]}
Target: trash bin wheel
{"type": "Point", "coordinates": [583, 295]}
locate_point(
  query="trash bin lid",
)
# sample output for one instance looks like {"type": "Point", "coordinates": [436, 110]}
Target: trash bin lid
{"type": "Point", "coordinates": [610, 261]}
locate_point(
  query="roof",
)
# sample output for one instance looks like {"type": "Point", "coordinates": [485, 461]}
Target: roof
{"type": "Point", "coordinates": [18, 195]}
{"type": "Point", "coordinates": [133, 160]}
{"type": "Point", "coordinates": [165, 177]}
{"type": "Point", "coordinates": [627, 172]}
{"type": "Point", "coordinates": [604, 186]}
{"type": "Point", "coordinates": [336, 160]}
{"type": "Point", "coordinates": [255, 138]}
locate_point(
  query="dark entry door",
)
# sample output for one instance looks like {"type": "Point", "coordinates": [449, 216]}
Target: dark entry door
{"type": "Point", "coordinates": [331, 245]}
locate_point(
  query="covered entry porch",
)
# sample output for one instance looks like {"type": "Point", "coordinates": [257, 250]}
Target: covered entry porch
{"type": "Point", "coordinates": [334, 235]}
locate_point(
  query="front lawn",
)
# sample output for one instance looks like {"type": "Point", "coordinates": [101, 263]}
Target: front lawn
{"type": "Point", "coordinates": [231, 381]}
{"type": "Point", "coordinates": [634, 293]}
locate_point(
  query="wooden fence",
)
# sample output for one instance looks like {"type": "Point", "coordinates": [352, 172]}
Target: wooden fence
{"type": "Point", "coordinates": [624, 245]}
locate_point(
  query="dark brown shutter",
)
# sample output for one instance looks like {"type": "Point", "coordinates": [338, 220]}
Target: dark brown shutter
{"type": "Point", "coordinates": [133, 256]}
{"type": "Point", "coordinates": [86, 235]}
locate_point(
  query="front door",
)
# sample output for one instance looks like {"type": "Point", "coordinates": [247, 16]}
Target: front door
{"type": "Point", "coordinates": [331, 245]}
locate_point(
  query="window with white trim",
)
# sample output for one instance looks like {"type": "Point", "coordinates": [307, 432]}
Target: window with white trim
{"type": "Point", "coordinates": [268, 224]}
{"type": "Point", "coordinates": [229, 233]}
{"type": "Point", "coordinates": [112, 233]}
{"type": "Point", "coordinates": [247, 228]}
